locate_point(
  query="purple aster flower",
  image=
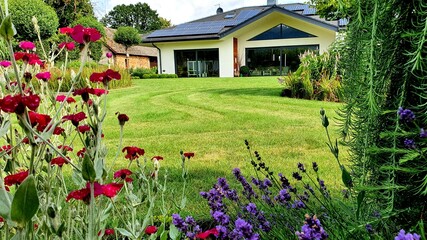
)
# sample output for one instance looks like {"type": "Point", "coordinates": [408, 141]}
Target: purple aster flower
{"type": "Point", "coordinates": [407, 236]}
{"type": "Point", "coordinates": [409, 143]}
{"type": "Point", "coordinates": [405, 114]}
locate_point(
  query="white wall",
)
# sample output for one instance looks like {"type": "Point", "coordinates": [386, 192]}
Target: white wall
{"type": "Point", "coordinates": [324, 38]}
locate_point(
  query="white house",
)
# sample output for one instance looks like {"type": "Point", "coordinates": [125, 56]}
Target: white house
{"type": "Point", "coordinates": [267, 39]}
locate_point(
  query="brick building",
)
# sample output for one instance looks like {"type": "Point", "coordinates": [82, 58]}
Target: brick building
{"type": "Point", "coordinates": [139, 56]}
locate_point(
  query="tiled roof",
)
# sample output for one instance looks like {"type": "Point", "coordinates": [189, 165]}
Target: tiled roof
{"type": "Point", "coordinates": [133, 51]}
{"type": "Point", "coordinates": [219, 25]}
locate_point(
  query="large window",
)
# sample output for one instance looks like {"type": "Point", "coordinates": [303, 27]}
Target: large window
{"type": "Point", "coordinates": [275, 60]}
{"type": "Point", "coordinates": [197, 63]}
{"type": "Point", "coordinates": [282, 31]}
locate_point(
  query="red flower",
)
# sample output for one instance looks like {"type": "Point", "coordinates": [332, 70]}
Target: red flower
{"type": "Point", "coordinates": [108, 231]}
{"type": "Point", "coordinates": [84, 92]}
{"type": "Point", "coordinates": [123, 174]}
{"type": "Point", "coordinates": [39, 120]}
{"type": "Point", "coordinates": [133, 152]}
{"type": "Point", "coordinates": [105, 77]}
{"type": "Point", "coordinates": [58, 131]}
{"type": "Point", "coordinates": [66, 30]}
{"type": "Point", "coordinates": [26, 45]}
{"type": "Point", "coordinates": [65, 148]}
{"type": "Point", "coordinates": [83, 128]}
{"type": "Point", "coordinates": [16, 178]}
{"type": "Point", "coordinates": [31, 101]}
{"type": "Point", "coordinates": [75, 118]}
{"type": "Point", "coordinates": [12, 104]}
{"type": "Point", "coordinates": [188, 155]}
{"type": "Point", "coordinates": [61, 98]}
{"type": "Point", "coordinates": [30, 58]}
{"type": "Point", "coordinates": [98, 91]}
{"type": "Point", "coordinates": [158, 158]}
{"type": "Point", "coordinates": [81, 153]}
{"type": "Point", "coordinates": [7, 149]}
{"type": "Point", "coordinates": [68, 45]}
{"type": "Point", "coordinates": [208, 233]}
{"type": "Point", "coordinates": [123, 118]}
{"type": "Point", "coordinates": [150, 230]}
{"type": "Point", "coordinates": [5, 64]}
{"type": "Point", "coordinates": [60, 161]}
{"type": "Point", "coordinates": [83, 35]}
{"type": "Point", "coordinates": [84, 193]}
{"type": "Point", "coordinates": [110, 190]}
{"type": "Point", "coordinates": [45, 76]}
{"type": "Point", "coordinates": [1, 220]}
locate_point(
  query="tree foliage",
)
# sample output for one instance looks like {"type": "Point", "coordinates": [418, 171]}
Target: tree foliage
{"type": "Point", "coordinates": [332, 9]}
{"type": "Point", "coordinates": [139, 16]}
{"type": "Point", "coordinates": [384, 69]}
{"type": "Point", "coordinates": [69, 11]}
{"type": "Point", "coordinates": [127, 36]}
{"type": "Point", "coordinates": [22, 12]}
{"type": "Point", "coordinates": [96, 47]}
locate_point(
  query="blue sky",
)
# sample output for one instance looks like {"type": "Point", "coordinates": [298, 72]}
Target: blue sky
{"type": "Point", "coordinates": [180, 11]}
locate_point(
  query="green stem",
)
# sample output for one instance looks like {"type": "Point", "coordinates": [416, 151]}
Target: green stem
{"type": "Point", "coordinates": [118, 149]}
{"type": "Point", "coordinates": [90, 233]}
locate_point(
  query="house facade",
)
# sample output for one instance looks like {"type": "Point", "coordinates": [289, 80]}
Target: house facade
{"type": "Point", "coordinates": [138, 56]}
{"type": "Point", "coordinates": [267, 39]}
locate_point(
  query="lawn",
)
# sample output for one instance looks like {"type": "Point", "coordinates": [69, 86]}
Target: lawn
{"type": "Point", "coordinates": [212, 117]}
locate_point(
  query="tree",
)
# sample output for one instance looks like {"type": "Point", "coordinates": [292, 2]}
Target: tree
{"type": "Point", "coordinates": [165, 22]}
{"type": "Point", "coordinates": [69, 11]}
{"type": "Point", "coordinates": [332, 9]}
{"type": "Point", "coordinates": [95, 47]}
{"type": "Point", "coordinates": [22, 12]}
{"type": "Point", "coordinates": [127, 36]}
{"type": "Point", "coordinates": [139, 16]}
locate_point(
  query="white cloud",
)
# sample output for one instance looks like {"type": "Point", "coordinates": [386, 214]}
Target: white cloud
{"type": "Point", "coordinates": [184, 10]}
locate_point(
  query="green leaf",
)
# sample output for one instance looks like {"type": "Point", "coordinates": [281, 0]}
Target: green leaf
{"type": "Point", "coordinates": [5, 203]}
{"type": "Point", "coordinates": [124, 232]}
{"type": "Point", "coordinates": [164, 235]}
{"type": "Point", "coordinates": [6, 28]}
{"type": "Point", "coordinates": [26, 202]}
{"type": "Point", "coordinates": [88, 171]}
{"type": "Point", "coordinates": [183, 202]}
{"type": "Point", "coordinates": [99, 168]}
{"type": "Point", "coordinates": [173, 232]}
{"type": "Point", "coordinates": [360, 198]}
{"type": "Point", "coordinates": [4, 128]}
{"type": "Point", "coordinates": [409, 157]}
{"type": "Point", "coordinates": [346, 177]}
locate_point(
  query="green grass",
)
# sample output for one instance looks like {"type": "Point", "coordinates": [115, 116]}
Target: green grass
{"type": "Point", "coordinates": [212, 117]}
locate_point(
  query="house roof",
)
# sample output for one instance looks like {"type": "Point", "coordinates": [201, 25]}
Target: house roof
{"type": "Point", "coordinates": [136, 50]}
{"type": "Point", "coordinates": [222, 24]}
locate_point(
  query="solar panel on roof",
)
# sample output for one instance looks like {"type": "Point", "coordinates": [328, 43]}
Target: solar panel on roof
{"type": "Point", "coordinates": [295, 7]}
{"type": "Point", "coordinates": [309, 11]}
{"type": "Point", "coordinates": [228, 16]}
{"type": "Point", "coordinates": [246, 14]}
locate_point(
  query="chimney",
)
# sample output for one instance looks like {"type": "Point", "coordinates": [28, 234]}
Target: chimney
{"type": "Point", "coordinates": [219, 10]}
{"type": "Point", "coordinates": [271, 2]}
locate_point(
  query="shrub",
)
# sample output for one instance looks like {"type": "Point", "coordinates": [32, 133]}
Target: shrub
{"type": "Point", "coordinates": [139, 72]}
{"type": "Point", "coordinates": [155, 75]}
{"type": "Point", "coordinates": [22, 12]}
{"type": "Point", "coordinates": [244, 71]}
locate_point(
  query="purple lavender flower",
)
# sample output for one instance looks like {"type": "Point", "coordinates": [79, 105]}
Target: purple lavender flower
{"type": "Point", "coordinates": [248, 192]}
{"type": "Point", "coordinates": [407, 236]}
{"type": "Point", "coordinates": [284, 181]}
{"type": "Point", "coordinates": [369, 228]}
{"type": "Point", "coordinates": [298, 204]}
{"type": "Point", "coordinates": [301, 167]}
{"type": "Point", "coordinates": [296, 176]}
{"type": "Point", "coordinates": [406, 114]}
{"type": "Point", "coordinates": [315, 166]}
{"type": "Point", "coordinates": [243, 230]}
{"type": "Point", "coordinates": [283, 197]}
{"type": "Point", "coordinates": [179, 222]}
{"type": "Point", "coordinates": [251, 208]}
{"type": "Point", "coordinates": [221, 218]}
{"type": "Point", "coordinates": [312, 229]}
{"type": "Point", "coordinates": [423, 133]}
{"type": "Point", "coordinates": [409, 143]}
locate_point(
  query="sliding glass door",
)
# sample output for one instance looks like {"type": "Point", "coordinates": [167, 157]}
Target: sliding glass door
{"type": "Point", "coordinates": [197, 63]}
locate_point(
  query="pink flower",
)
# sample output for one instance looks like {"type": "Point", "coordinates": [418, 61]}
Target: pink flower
{"type": "Point", "coordinates": [110, 190]}
{"type": "Point", "coordinates": [208, 233]}
{"type": "Point", "coordinates": [150, 230]}
{"type": "Point", "coordinates": [5, 63]}
{"type": "Point", "coordinates": [109, 55]}
{"type": "Point", "coordinates": [66, 30]}
{"type": "Point", "coordinates": [43, 76]}
{"type": "Point", "coordinates": [83, 35]}
{"type": "Point", "coordinates": [123, 174]}
{"type": "Point", "coordinates": [30, 58]}
{"type": "Point", "coordinates": [26, 45]}
{"type": "Point", "coordinates": [105, 77]}
{"type": "Point", "coordinates": [68, 45]}
{"type": "Point", "coordinates": [61, 98]}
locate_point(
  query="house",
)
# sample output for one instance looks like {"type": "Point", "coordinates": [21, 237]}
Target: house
{"type": "Point", "coordinates": [267, 39]}
{"type": "Point", "coordinates": [139, 56]}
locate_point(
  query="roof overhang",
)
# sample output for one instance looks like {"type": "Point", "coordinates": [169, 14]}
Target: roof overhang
{"type": "Point", "coordinates": [249, 21]}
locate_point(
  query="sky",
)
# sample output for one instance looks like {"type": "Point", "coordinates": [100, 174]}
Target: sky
{"type": "Point", "coordinates": [180, 11]}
